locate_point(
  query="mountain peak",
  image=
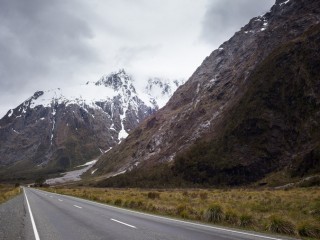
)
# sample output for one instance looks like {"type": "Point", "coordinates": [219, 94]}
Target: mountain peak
{"type": "Point", "coordinates": [70, 126]}
{"type": "Point", "coordinates": [117, 80]}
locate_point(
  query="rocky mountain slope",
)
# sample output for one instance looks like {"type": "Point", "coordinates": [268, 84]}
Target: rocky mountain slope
{"type": "Point", "coordinates": [59, 129]}
{"type": "Point", "coordinates": [250, 109]}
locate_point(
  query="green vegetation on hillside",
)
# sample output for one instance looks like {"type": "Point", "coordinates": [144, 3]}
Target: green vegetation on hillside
{"type": "Point", "coordinates": [273, 127]}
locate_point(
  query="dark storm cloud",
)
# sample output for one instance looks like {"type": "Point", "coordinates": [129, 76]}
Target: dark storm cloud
{"type": "Point", "coordinates": [37, 37]}
{"type": "Point", "coordinates": [224, 18]}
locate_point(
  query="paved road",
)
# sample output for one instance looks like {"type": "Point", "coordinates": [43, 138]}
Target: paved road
{"type": "Point", "coordinates": [14, 220]}
{"type": "Point", "coordinates": [63, 217]}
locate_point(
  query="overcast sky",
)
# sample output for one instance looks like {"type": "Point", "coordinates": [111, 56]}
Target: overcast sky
{"type": "Point", "coordinates": [47, 44]}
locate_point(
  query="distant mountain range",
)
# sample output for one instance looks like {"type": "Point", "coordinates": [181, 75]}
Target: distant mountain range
{"type": "Point", "coordinates": [59, 129]}
{"type": "Point", "coordinates": [249, 114]}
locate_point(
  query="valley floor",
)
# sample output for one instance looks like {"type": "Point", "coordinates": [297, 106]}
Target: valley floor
{"type": "Point", "coordinates": [294, 212]}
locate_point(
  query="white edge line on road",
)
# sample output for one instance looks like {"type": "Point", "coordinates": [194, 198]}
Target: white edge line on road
{"type": "Point", "coordinates": [122, 223]}
{"type": "Point", "coordinates": [60, 200]}
{"type": "Point", "coordinates": [171, 219]}
{"type": "Point", "coordinates": [77, 206]}
{"type": "Point", "coordinates": [35, 231]}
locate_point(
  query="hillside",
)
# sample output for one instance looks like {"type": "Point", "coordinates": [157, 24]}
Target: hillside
{"type": "Point", "coordinates": [251, 109]}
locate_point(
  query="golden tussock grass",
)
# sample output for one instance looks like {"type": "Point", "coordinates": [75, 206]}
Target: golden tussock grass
{"type": "Point", "coordinates": [293, 212]}
{"type": "Point", "coordinates": [7, 192]}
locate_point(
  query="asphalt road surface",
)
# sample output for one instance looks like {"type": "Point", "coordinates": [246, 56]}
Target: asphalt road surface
{"type": "Point", "coordinates": [55, 216]}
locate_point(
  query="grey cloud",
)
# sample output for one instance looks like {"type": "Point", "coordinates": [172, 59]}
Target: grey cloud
{"type": "Point", "coordinates": [126, 55]}
{"type": "Point", "coordinates": [224, 18]}
{"type": "Point", "coordinates": [36, 36]}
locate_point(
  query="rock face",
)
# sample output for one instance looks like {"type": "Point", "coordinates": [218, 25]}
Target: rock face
{"type": "Point", "coordinates": [205, 107]}
{"type": "Point", "coordinates": [58, 129]}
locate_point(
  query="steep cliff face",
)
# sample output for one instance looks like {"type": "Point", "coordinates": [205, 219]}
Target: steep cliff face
{"type": "Point", "coordinates": [205, 105]}
{"type": "Point", "coordinates": [62, 128]}
{"type": "Point", "coordinates": [274, 127]}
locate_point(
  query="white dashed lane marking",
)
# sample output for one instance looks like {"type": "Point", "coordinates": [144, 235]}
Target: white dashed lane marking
{"type": "Point", "coordinates": [126, 224]}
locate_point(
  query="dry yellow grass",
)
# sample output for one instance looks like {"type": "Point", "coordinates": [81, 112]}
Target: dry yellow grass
{"type": "Point", "coordinates": [280, 211]}
{"type": "Point", "coordinates": [7, 192]}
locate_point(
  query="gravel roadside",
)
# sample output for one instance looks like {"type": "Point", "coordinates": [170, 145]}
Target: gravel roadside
{"type": "Point", "coordinates": [15, 220]}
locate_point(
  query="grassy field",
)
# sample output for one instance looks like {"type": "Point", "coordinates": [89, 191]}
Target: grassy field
{"type": "Point", "coordinates": [7, 192]}
{"type": "Point", "coordinates": [293, 212]}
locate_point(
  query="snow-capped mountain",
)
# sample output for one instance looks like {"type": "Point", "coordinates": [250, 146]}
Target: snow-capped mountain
{"type": "Point", "coordinates": [61, 128]}
{"type": "Point", "coordinates": [250, 109]}
{"type": "Point", "coordinates": [160, 89]}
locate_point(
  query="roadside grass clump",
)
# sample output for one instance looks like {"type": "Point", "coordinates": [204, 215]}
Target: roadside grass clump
{"type": "Point", "coordinates": [181, 208]}
{"type": "Point", "coordinates": [246, 220]}
{"type": "Point", "coordinates": [153, 195]}
{"type": "Point", "coordinates": [310, 230]}
{"type": "Point", "coordinates": [278, 224]}
{"type": "Point", "coordinates": [184, 214]}
{"type": "Point", "coordinates": [214, 213]}
{"type": "Point", "coordinates": [315, 210]}
{"type": "Point", "coordinates": [231, 217]}
{"type": "Point", "coordinates": [133, 204]}
{"type": "Point", "coordinates": [118, 202]}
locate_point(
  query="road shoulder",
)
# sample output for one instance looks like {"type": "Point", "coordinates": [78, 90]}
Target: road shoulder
{"type": "Point", "coordinates": [15, 220]}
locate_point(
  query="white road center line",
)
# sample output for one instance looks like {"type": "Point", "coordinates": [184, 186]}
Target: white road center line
{"type": "Point", "coordinates": [60, 200]}
{"type": "Point", "coordinates": [77, 206]}
{"type": "Point", "coordinates": [35, 231]}
{"type": "Point", "coordinates": [122, 223]}
{"type": "Point", "coordinates": [50, 196]}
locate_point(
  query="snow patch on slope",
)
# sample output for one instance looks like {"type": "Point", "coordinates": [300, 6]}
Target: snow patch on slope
{"type": "Point", "coordinates": [161, 89]}
{"type": "Point", "coordinates": [284, 2]}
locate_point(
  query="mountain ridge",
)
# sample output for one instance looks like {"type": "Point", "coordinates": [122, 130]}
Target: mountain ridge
{"type": "Point", "coordinates": [199, 109]}
{"type": "Point", "coordinates": [62, 128]}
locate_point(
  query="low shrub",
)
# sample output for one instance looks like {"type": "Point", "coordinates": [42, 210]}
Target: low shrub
{"type": "Point", "coordinates": [140, 204]}
{"type": "Point", "coordinates": [278, 224]}
{"type": "Point", "coordinates": [214, 214]}
{"type": "Point", "coordinates": [118, 202]}
{"type": "Point", "coordinates": [246, 220]}
{"type": "Point", "coordinates": [231, 217]}
{"type": "Point", "coordinates": [184, 214]}
{"type": "Point", "coordinates": [309, 230]}
{"type": "Point", "coordinates": [315, 209]}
